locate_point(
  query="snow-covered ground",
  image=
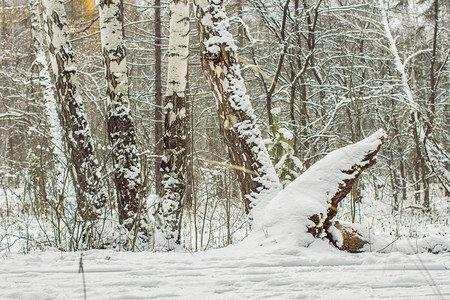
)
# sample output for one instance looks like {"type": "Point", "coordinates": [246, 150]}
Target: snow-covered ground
{"type": "Point", "coordinates": [279, 259]}
{"type": "Point", "coordinates": [240, 271]}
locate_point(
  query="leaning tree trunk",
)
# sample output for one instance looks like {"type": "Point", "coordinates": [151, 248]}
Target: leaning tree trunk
{"type": "Point", "coordinates": [416, 111]}
{"type": "Point", "coordinates": [173, 164]}
{"type": "Point", "coordinates": [256, 175]}
{"type": "Point", "coordinates": [91, 198]}
{"type": "Point", "coordinates": [343, 166]}
{"type": "Point", "coordinates": [307, 207]}
{"type": "Point", "coordinates": [121, 132]}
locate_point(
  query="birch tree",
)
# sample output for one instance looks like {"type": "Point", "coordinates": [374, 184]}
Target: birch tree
{"type": "Point", "coordinates": [247, 152]}
{"type": "Point", "coordinates": [173, 164]}
{"type": "Point", "coordinates": [121, 132]}
{"type": "Point", "coordinates": [55, 130]}
{"type": "Point", "coordinates": [85, 169]}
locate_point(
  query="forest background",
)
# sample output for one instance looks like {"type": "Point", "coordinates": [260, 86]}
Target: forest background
{"type": "Point", "coordinates": [319, 74]}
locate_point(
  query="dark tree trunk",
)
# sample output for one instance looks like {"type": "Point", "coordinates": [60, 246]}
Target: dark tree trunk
{"type": "Point", "coordinates": [158, 98]}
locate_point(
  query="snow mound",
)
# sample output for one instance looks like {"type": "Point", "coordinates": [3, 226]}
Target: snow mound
{"type": "Point", "coordinates": [285, 219]}
{"type": "Point", "coordinates": [433, 244]}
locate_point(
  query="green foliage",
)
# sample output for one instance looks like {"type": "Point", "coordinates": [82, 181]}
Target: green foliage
{"type": "Point", "coordinates": [281, 150]}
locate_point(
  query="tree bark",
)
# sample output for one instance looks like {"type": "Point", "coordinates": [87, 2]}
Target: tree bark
{"type": "Point", "coordinates": [273, 85]}
{"type": "Point", "coordinates": [48, 89]}
{"type": "Point", "coordinates": [121, 131]}
{"type": "Point", "coordinates": [50, 103]}
{"type": "Point", "coordinates": [432, 98]}
{"type": "Point", "coordinates": [158, 97]}
{"type": "Point", "coordinates": [173, 164]}
{"type": "Point", "coordinates": [257, 178]}
{"type": "Point", "coordinates": [347, 184]}
{"type": "Point", "coordinates": [91, 198]}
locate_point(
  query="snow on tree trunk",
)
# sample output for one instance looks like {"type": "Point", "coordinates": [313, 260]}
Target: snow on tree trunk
{"type": "Point", "coordinates": [121, 132]}
{"type": "Point", "coordinates": [173, 164]}
{"type": "Point", "coordinates": [364, 158]}
{"type": "Point", "coordinates": [91, 198]}
{"type": "Point", "coordinates": [306, 208]}
{"type": "Point", "coordinates": [258, 182]}
{"type": "Point", "coordinates": [419, 133]}
{"type": "Point", "coordinates": [55, 129]}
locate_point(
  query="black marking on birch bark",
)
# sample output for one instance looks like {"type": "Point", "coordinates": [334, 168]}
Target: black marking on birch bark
{"type": "Point", "coordinates": [174, 165]}
{"type": "Point", "coordinates": [90, 196]}
{"type": "Point", "coordinates": [124, 154]}
{"type": "Point", "coordinates": [122, 134]}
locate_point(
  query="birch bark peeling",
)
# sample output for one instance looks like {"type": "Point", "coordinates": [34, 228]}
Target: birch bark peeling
{"type": "Point", "coordinates": [121, 129]}
{"type": "Point", "coordinates": [237, 120]}
{"type": "Point", "coordinates": [173, 164]}
{"type": "Point", "coordinates": [86, 172]}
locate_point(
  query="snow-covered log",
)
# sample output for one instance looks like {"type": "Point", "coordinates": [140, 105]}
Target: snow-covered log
{"type": "Point", "coordinates": [121, 131]}
{"type": "Point", "coordinates": [85, 170]}
{"type": "Point", "coordinates": [306, 208]}
{"type": "Point", "coordinates": [173, 163]}
{"type": "Point", "coordinates": [257, 178]}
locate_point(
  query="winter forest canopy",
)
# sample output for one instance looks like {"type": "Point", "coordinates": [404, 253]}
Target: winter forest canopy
{"type": "Point", "coordinates": [150, 125]}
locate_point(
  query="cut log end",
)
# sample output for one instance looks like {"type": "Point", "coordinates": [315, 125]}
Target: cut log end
{"type": "Point", "coordinates": [353, 241]}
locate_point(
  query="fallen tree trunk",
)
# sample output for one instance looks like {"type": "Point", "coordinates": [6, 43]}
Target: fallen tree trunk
{"type": "Point", "coordinates": [348, 238]}
{"type": "Point", "coordinates": [306, 208]}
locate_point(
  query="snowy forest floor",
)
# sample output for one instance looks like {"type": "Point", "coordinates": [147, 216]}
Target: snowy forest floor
{"type": "Point", "coordinates": [241, 271]}
{"type": "Point", "coordinates": [278, 259]}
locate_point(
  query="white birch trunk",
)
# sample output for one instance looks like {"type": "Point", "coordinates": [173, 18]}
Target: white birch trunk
{"type": "Point", "coordinates": [56, 132]}
{"type": "Point", "coordinates": [63, 185]}
{"type": "Point", "coordinates": [259, 183]}
{"type": "Point", "coordinates": [173, 164]}
{"type": "Point", "coordinates": [86, 175]}
{"type": "Point", "coordinates": [120, 122]}
{"type": "Point", "coordinates": [178, 51]}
